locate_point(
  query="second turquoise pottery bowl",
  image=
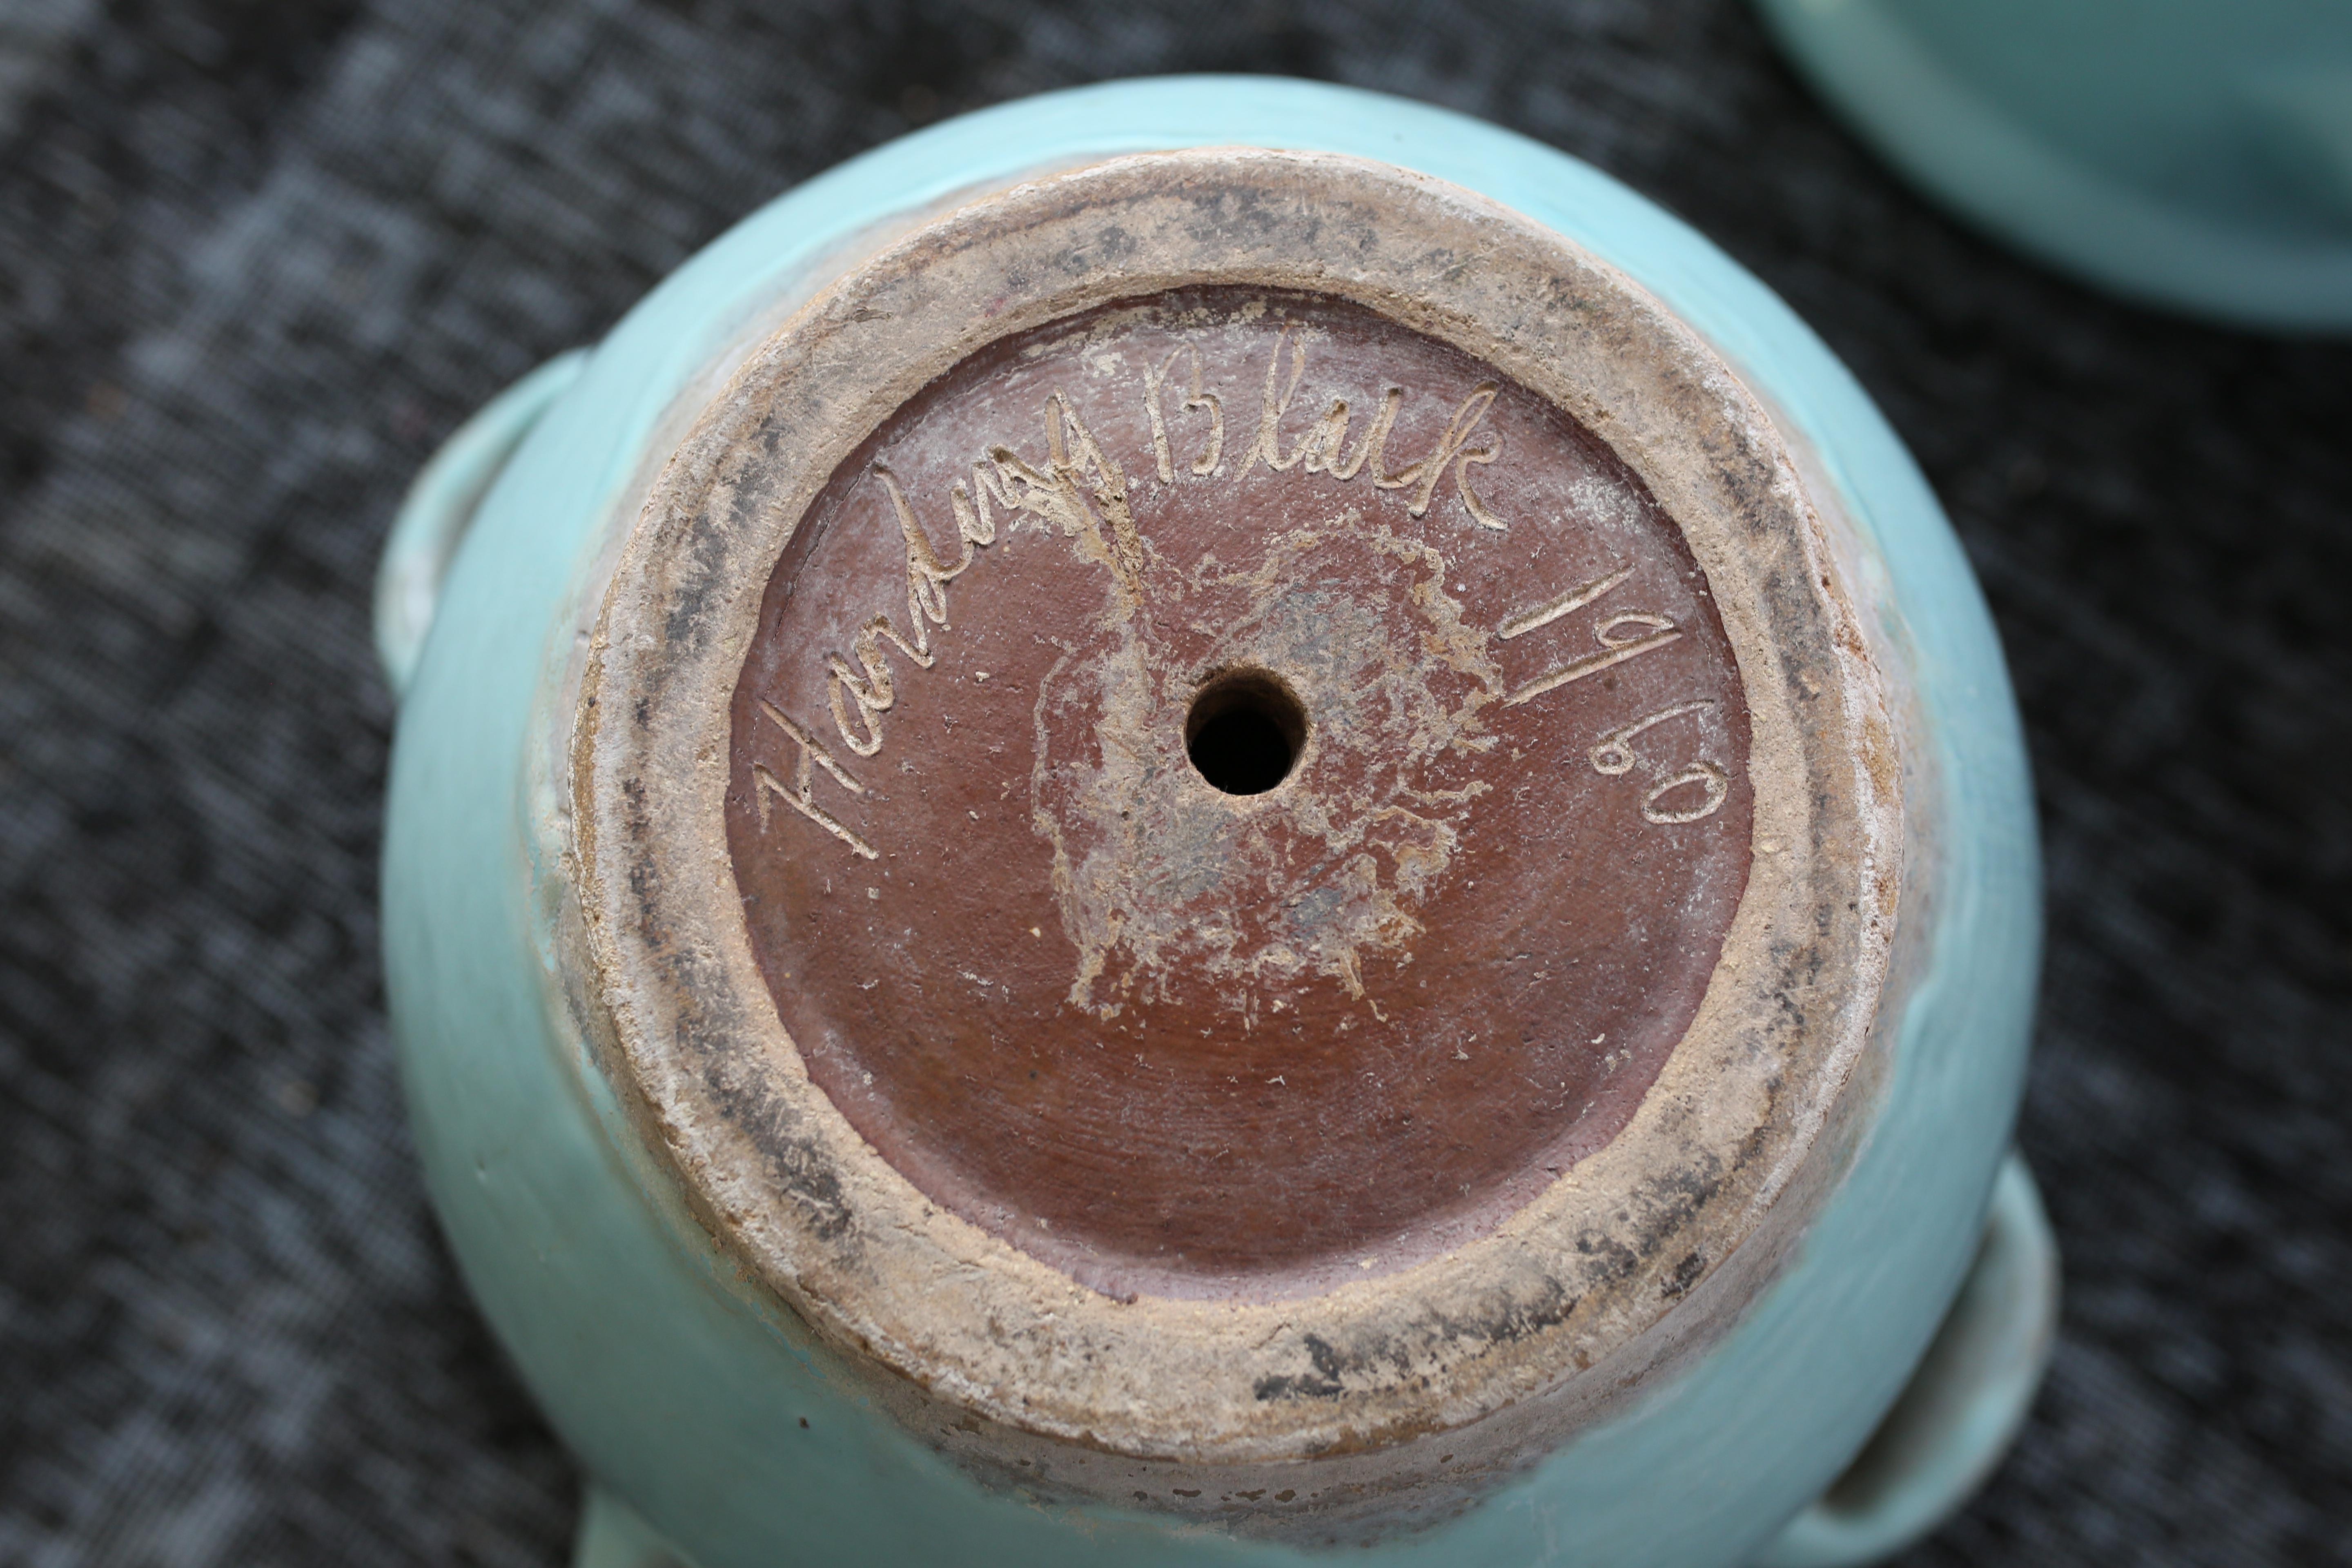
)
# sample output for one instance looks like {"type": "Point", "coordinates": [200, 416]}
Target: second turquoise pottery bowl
{"type": "Point", "coordinates": [1208, 821]}
{"type": "Point", "coordinates": [2195, 154]}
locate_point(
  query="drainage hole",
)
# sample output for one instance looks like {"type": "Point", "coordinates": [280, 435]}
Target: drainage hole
{"type": "Point", "coordinates": [1245, 731]}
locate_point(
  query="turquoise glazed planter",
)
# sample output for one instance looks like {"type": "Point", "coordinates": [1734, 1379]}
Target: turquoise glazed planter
{"type": "Point", "coordinates": [2194, 155]}
{"type": "Point", "coordinates": [831, 1342]}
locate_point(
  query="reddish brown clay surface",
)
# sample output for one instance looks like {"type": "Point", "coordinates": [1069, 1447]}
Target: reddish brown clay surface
{"type": "Point", "coordinates": [1195, 1042]}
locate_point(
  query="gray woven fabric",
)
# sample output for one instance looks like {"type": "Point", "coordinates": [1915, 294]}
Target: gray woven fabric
{"type": "Point", "coordinates": [255, 260]}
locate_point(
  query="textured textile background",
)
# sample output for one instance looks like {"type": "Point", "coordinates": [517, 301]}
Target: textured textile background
{"type": "Point", "coordinates": [257, 259]}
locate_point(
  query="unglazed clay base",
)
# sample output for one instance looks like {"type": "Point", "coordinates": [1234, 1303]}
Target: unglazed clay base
{"type": "Point", "coordinates": [1232, 814]}
{"type": "Point", "coordinates": [1233, 796]}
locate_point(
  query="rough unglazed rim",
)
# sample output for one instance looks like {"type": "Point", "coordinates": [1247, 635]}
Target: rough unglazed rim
{"type": "Point", "coordinates": [1622, 1260]}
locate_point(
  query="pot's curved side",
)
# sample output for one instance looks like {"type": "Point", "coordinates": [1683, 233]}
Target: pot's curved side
{"type": "Point", "coordinates": [1962, 1407]}
{"type": "Point", "coordinates": [714, 1410]}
